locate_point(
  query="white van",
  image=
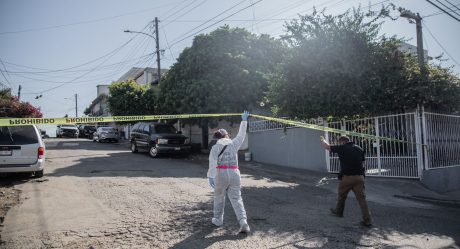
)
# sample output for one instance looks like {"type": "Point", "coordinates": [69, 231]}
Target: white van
{"type": "Point", "coordinates": [21, 150]}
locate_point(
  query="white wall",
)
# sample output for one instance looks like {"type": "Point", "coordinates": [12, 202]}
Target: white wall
{"type": "Point", "coordinates": [102, 89]}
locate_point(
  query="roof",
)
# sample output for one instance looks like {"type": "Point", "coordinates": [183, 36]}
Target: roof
{"type": "Point", "coordinates": [136, 72]}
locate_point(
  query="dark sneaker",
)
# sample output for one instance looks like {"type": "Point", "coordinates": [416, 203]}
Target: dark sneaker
{"type": "Point", "coordinates": [334, 212]}
{"type": "Point", "coordinates": [366, 223]}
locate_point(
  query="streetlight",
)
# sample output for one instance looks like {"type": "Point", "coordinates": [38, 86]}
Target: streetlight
{"type": "Point", "coordinates": [157, 40]}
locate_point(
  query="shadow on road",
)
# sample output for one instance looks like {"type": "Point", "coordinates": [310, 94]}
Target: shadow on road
{"type": "Point", "coordinates": [278, 211]}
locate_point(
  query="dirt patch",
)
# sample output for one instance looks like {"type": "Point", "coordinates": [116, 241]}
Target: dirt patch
{"type": "Point", "coordinates": [9, 196]}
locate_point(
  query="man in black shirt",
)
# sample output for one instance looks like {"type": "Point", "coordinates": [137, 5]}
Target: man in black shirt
{"type": "Point", "coordinates": [351, 176]}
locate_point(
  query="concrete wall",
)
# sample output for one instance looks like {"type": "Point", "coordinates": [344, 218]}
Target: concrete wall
{"type": "Point", "coordinates": [299, 148]}
{"type": "Point", "coordinates": [442, 180]}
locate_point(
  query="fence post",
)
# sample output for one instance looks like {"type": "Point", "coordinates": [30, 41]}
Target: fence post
{"type": "Point", "coordinates": [418, 141]}
{"type": "Point", "coordinates": [377, 145]}
{"type": "Point", "coordinates": [328, 154]}
{"type": "Point", "coordinates": [427, 163]}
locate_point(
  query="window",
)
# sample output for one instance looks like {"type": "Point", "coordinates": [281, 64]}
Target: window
{"type": "Point", "coordinates": [146, 129]}
{"type": "Point", "coordinates": [140, 128]}
{"type": "Point", "coordinates": [135, 127]}
{"type": "Point", "coordinates": [165, 129]}
{"type": "Point", "coordinates": [18, 135]}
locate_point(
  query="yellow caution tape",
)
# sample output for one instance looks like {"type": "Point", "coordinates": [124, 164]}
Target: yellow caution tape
{"type": "Point", "coordinates": [89, 120]}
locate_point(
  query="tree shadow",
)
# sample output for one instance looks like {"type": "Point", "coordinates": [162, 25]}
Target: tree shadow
{"type": "Point", "coordinates": [298, 217]}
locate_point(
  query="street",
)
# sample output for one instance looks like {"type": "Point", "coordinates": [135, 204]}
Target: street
{"type": "Point", "coordinates": [100, 195]}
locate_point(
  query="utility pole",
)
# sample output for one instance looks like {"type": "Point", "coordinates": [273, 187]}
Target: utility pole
{"type": "Point", "coordinates": [19, 92]}
{"type": "Point", "coordinates": [76, 105]}
{"type": "Point", "coordinates": [158, 49]}
{"type": "Point", "coordinates": [418, 24]}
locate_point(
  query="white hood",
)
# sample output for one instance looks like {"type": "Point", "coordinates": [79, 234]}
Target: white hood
{"type": "Point", "coordinates": [224, 141]}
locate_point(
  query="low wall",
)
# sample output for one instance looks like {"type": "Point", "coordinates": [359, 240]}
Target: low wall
{"type": "Point", "coordinates": [443, 179]}
{"type": "Point", "coordinates": [298, 148]}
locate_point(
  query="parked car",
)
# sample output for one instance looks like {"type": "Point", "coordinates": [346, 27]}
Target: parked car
{"type": "Point", "coordinates": [158, 138]}
{"type": "Point", "coordinates": [86, 131]}
{"type": "Point", "coordinates": [67, 130]}
{"type": "Point", "coordinates": [21, 150]}
{"type": "Point", "coordinates": [104, 134]}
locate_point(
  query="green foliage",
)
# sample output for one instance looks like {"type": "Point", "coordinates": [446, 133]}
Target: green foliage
{"type": "Point", "coordinates": [224, 71]}
{"type": "Point", "coordinates": [339, 66]}
{"type": "Point", "coordinates": [130, 98]}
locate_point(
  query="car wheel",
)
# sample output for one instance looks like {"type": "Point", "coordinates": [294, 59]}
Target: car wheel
{"type": "Point", "coordinates": [38, 174]}
{"type": "Point", "coordinates": [115, 141]}
{"type": "Point", "coordinates": [134, 147]}
{"type": "Point", "coordinates": [153, 151]}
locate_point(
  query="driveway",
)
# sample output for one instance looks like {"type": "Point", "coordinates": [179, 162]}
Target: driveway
{"type": "Point", "coordinates": [103, 196]}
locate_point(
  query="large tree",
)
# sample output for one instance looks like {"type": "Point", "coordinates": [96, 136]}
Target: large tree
{"type": "Point", "coordinates": [340, 66]}
{"type": "Point", "coordinates": [11, 107]}
{"type": "Point", "coordinates": [224, 71]}
{"type": "Point", "coordinates": [129, 98]}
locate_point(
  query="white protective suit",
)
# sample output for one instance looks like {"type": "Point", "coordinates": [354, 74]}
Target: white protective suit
{"type": "Point", "coordinates": [227, 181]}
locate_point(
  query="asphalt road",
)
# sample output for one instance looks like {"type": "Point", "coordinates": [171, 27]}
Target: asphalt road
{"type": "Point", "coordinates": [103, 196]}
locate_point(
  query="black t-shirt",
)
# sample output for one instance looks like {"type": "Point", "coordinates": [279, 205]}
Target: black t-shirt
{"type": "Point", "coordinates": [351, 158]}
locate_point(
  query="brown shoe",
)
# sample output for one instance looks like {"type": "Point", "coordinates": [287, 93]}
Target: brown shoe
{"type": "Point", "coordinates": [334, 212]}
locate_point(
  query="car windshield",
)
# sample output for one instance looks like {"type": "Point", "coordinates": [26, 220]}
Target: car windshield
{"type": "Point", "coordinates": [91, 128]}
{"type": "Point", "coordinates": [165, 129]}
{"type": "Point", "coordinates": [68, 126]}
{"type": "Point", "coordinates": [18, 135]}
{"type": "Point", "coordinates": [108, 129]}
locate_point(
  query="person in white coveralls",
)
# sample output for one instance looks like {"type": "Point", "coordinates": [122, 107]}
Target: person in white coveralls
{"type": "Point", "coordinates": [224, 175]}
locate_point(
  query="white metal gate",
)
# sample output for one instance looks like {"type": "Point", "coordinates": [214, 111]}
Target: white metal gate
{"type": "Point", "coordinates": [442, 140]}
{"type": "Point", "coordinates": [384, 158]}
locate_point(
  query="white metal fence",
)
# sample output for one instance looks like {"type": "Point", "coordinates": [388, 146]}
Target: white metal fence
{"type": "Point", "coordinates": [442, 140]}
{"type": "Point", "coordinates": [426, 141]}
{"type": "Point", "coordinates": [384, 158]}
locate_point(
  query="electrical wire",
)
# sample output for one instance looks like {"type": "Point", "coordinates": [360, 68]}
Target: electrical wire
{"type": "Point", "coordinates": [437, 13]}
{"type": "Point", "coordinates": [440, 45]}
{"type": "Point", "coordinates": [188, 11]}
{"type": "Point", "coordinates": [223, 19]}
{"type": "Point", "coordinates": [83, 22]}
{"type": "Point", "coordinates": [455, 6]}
{"type": "Point", "coordinates": [450, 10]}
{"type": "Point", "coordinates": [209, 20]}
{"type": "Point", "coordinates": [443, 10]}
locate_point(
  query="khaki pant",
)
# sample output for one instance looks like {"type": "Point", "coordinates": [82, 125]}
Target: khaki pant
{"type": "Point", "coordinates": [355, 183]}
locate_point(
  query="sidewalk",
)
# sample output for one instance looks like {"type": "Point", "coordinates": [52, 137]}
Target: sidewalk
{"type": "Point", "coordinates": [379, 189]}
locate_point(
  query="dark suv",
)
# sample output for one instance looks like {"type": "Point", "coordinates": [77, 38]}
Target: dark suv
{"type": "Point", "coordinates": [158, 138]}
{"type": "Point", "coordinates": [86, 131]}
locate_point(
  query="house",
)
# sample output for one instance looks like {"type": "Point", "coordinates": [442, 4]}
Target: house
{"type": "Point", "coordinates": [99, 107]}
{"type": "Point", "coordinates": [411, 49]}
{"type": "Point", "coordinates": [142, 76]}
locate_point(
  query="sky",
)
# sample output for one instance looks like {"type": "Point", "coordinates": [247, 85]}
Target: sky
{"type": "Point", "coordinates": [55, 49]}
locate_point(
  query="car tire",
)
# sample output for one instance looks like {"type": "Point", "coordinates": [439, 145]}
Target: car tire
{"type": "Point", "coordinates": [153, 151]}
{"type": "Point", "coordinates": [115, 141]}
{"type": "Point", "coordinates": [38, 174]}
{"type": "Point", "coordinates": [134, 147]}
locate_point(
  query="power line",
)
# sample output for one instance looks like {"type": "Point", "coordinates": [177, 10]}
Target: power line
{"type": "Point", "coordinates": [209, 20]}
{"type": "Point", "coordinates": [83, 22]}
{"type": "Point", "coordinates": [440, 45]}
{"type": "Point", "coordinates": [443, 10]}
{"type": "Point", "coordinates": [83, 75]}
{"type": "Point", "coordinates": [190, 10]}
{"type": "Point", "coordinates": [240, 10]}
{"type": "Point", "coordinates": [438, 13]}
{"type": "Point", "coordinates": [450, 10]}
{"type": "Point", "coordinates": [455, 6]}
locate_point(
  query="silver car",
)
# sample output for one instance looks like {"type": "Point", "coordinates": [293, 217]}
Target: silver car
{"type": "Point", "coordinates": [21, 150]}
{"type": "Point", "coordinates": [104, 134]}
